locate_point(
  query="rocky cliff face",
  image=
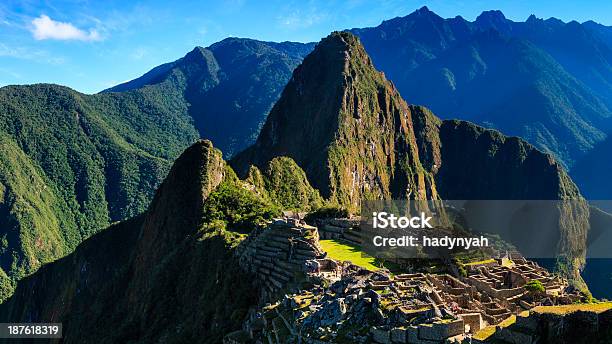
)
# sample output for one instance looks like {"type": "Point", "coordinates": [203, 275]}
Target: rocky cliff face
{"type": "Point", "coordinates": [346, 126]}
{"type": "Point", "coordinates": [471, 162]}
{"type": "Point", "coordinates": [159, 276]}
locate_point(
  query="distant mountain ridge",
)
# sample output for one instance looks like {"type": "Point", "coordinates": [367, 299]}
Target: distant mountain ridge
{"type": "Point", "coordinates": [544, 80]}
{"type": "Point", "coordinates": [547, 81]}
{"type": "Point", "coordinates": [582, 51]}
{"type": "Point", "coordinates": [230, 86]}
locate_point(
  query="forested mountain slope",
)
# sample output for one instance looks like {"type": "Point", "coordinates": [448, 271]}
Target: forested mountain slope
{"type": "Point", "coordinates": [73, 163]}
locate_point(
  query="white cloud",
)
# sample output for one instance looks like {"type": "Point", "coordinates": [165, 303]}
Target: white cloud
{"type": "Point", "coordinates": [44, 27]}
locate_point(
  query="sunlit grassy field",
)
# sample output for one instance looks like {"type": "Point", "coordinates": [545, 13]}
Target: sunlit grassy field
{"type": "Point", "coordinates": [489, 330]}
{"type": "Point", "coordinates": [480, 262]}
{"type": "Point", "coordinates": [343, 251]}
{"type": "Point", "coordinates": [565, 309]}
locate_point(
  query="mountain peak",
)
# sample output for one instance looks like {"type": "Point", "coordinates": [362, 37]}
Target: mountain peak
{"type": "Point", "coordinates": [533, 19]}
{"type": "Point", "coordinates": [421, 13]}
{"type": "Point", "coordinates": [176, 210]}
{"type": "Point", "coordinates": [495, 20]}
{"type": "Point", "coordinates": [336, 111]}
{"type": "Point", "coordinates": [180, 197]}
{"type": "Point", "coordinates": [554, 21]}
{"type": "Point", "coordinates": [341, 46]}
{"type": "Point", "coordinates": [423, 10]}
{"type": "Point", "coordinates": [339, 38]}
{"type": "Point", "coordinates": [199, 55]}
{"type": "Point", "coordinates": [197, 171]}
{"type": "Point", "coordinates": [491, 16]}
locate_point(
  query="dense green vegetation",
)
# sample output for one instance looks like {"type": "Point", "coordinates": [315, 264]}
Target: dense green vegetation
{"type": "Point", "coordinates": [535, 286]}
{"type": "Point", "coordinates": [73, 163]}
{"type": "Point", "coordinates": [6, 286]}
{"type": "Point", "coordinates": [327, 212]}
{"type": "Point", "coordinates": [232, 206]}
{"type": "Point", "coordinates": [285, 184]}
{"type": "Point", "coordinates": [231, 84]}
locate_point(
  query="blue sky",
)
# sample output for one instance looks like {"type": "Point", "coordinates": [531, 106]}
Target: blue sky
{"type": "Point", "coordinates": [92, 45]}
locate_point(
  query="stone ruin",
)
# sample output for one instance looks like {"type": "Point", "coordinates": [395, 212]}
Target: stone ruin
{"type": "Point", "coordinates": [329, 301]}
{"type": "Point", "coordinates": [362, 307]}
{"type": "Point", "coordinates": [346, 229]}
{"type": "Point", "coordinates": [504, 283]}
{"type": "Point", "coordinates": [281, 253]}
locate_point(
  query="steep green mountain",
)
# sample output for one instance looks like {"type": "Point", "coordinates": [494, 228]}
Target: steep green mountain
{"type": "Point", "coordinates": [228, 88]}
{"type": "Point", "coordinates": [73, 163]}
{"type": "Point", "coordinates": [167, 275]}
{"type": "Point", "coordinates": [546, 81]}
{"type": "Point", "coordinates": [354, 136]}
{"type": "Point", "coordinates": [346, 126]}
{"type": "Point", "coordinates": [284, 183]}
{"type": "Point", "coordinates": [361, 140]}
